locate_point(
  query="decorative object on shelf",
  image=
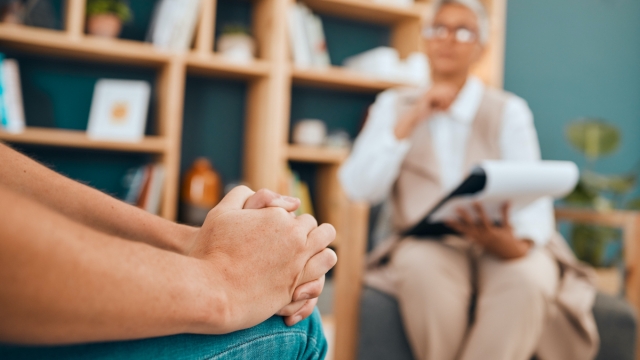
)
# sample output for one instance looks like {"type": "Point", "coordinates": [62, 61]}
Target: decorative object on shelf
{"type": "Point", "coordinates": [119, 110]}
{"type": "Point", "coordinates": [235, 44]}
{"type": "Point", "coordinates": [306, 35]}
{"type": "Point", "coordinates": [594, 138]}
{"type": "Point", "coordinates": [310, 132]}
{"type": "Point", "coordinates": [105, 17]}
{"type": "Point", "coordinates": [201, 191]}
{"type": "Point", "coordinates": [38, 13]}
{"type": "Point", "coordinates": [144, 186]}
{"type": "Point", "coordinates": [11, 105]}
{"type": "Point", "coordinates": [384, 62]}
{"type": "Point", "coordinates": [338, 139]}
{"type": "Point", "coordinates": [173, 24]}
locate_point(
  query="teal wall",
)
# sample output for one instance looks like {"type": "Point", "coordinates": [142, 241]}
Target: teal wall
{"type": "Point", "coordinates": [574, 58]}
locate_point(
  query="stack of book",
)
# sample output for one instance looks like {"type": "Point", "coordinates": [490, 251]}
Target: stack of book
{"type": "Point", "coordinates": [306, 34]}
{"type": "Point", "coordinates": [145, 187]}
{"type": "Point", "coordinates": [11, 107]}
{"type": "Point", "coordinates": [173, 24]}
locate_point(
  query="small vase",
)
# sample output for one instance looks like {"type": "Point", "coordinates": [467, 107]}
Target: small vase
{"type": "Point", "coordinates": [104, 25]}
{"type": "Point", "coordinates": [237, 47]}
{"type": "Point", "coordinates": [201, 191]}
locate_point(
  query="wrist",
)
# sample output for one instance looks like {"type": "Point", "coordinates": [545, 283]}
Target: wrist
{"type": "Point", "coordinates": [211, 308]}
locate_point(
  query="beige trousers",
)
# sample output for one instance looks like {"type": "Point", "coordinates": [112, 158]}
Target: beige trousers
{"type": "Point", "coordinates": [435, 282]}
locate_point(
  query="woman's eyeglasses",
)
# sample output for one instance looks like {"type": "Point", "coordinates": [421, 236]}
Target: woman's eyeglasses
{"type": "Point", "coordinates": [440, 32]}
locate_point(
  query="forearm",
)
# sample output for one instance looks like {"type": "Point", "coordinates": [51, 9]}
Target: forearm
{"type": "Point", "coordinates": [374, 164]}
{"type": "Point", "coordinates": [63, 282]}
{"type": "Point", "coordinates": [87, 205]}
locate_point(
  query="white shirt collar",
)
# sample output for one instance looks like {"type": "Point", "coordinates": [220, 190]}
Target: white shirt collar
{"type": "Point", "coordinates": [466, 105]}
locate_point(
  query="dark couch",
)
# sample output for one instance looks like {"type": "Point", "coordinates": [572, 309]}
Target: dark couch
{"type": "Point", "coordinates": [382, 336]}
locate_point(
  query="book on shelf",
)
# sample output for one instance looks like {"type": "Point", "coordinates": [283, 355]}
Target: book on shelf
{"type": "Point", "coordinates": [173, 24]}
{"type": "Point", "coordinates": [145, 187]}
{"type": "Point", "coordinates": [494, 183]}
{"type": "Point", "coordinates": [307, 38]}
{"type": "Point", "coordinates": [295, 187]}
{"type": "Point", "coordinates": [11, 105]}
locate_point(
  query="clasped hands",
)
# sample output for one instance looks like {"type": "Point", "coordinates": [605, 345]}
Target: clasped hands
{"type": "Point", "coordinates": [262, 258]}
{"type": "Point", "coordinates": [498, 239]}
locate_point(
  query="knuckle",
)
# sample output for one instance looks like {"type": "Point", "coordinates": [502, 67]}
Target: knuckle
{"type": "Point", "coordinates": [327, 230]}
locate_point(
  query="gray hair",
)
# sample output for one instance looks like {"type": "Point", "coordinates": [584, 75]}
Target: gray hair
{"type": "Point", "coordinates": [477, 8]}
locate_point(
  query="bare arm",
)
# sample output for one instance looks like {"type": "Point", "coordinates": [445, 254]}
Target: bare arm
{"type": "Point", "coordinates": [89, 206]}
{"type": "Point", "coordinates": [63, 282]}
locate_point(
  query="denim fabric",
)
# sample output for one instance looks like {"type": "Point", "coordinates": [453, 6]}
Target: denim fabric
{"type": "Point", "coordinates": [270, 340]}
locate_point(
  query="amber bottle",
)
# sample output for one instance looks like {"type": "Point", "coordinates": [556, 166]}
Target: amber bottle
{"type": "Point", "coordinates": [201, 191]}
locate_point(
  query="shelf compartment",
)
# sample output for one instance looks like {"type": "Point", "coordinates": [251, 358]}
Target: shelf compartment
{"type": "Point", "coordinates": [320, 155]}
{"type": "Point", "coordinates": [212, 64]}
{"type": "Point", "coordinates": [52, 42]}
{"type": "Point", "coordinates": [79, 139]}
{"type": "Point", "coordinates": [338, 78]}
{"type": "Point", "coordinates": [366, 11]}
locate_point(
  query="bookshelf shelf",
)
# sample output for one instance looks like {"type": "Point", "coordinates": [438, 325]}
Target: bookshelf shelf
{"type": "Point", "coordinates": [338, 78]}
{"type": "Point", "coordinates": [367, 11]}
{"type": "Point", "coordinates": [58, 43]}
{"type": "Point", "coordinates": [320, 155]}
{"type": "Point", "coordinates": [212, 64]}
{"type": "Point", "coordinates": [79, 139]}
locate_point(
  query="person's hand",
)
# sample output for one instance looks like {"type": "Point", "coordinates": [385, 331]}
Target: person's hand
{"type": "Point", "coordinates": [438, 98]}
{"type": "Point", "coordinates": [497, 239]}
{"type": "Point", "coordinates": [259, 258]}
{"type": "Point", "coordinates": [306, 295]}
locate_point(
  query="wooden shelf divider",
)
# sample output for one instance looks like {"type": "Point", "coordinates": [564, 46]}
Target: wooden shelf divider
{"type": "Point", "coordinates": [79, 139]}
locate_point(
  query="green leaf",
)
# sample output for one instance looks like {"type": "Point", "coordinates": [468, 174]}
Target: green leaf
{"type": "Point", "coordinates": [120, 8]}
{"type": "Point", "coordinates": [593, 137]}
{"type": "Point", "coordinates": [618, 184]}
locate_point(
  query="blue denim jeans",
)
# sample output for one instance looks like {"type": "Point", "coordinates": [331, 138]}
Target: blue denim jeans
{"type": "Point", "coordinates": [270, 340]}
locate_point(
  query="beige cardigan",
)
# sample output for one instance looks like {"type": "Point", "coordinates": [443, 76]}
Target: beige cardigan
{"type": "Point", "coordinates": [572, 334]}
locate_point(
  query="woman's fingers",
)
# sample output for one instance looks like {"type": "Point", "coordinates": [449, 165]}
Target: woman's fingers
{"type": "Point", "coordinates": [482, 215]}
{"type": "Point", "coordinates": [303, 313]}
{"type": "Point", "coordinates": [506, 221]}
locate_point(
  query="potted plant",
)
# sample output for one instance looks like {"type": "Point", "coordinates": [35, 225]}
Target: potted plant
{"type": "Point", "coordinates": [236, 44]}
{"type": "Point", "coordinates": [105, 17]}
{"type": "Point", "coordinates": [598, 245]}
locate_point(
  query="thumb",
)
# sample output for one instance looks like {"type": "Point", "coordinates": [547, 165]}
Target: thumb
{"type": "Point", "coordinates": [235, 199]}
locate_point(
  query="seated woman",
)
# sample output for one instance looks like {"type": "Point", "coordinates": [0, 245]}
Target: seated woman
{"type": "Point", "coordinates": [416, 146]}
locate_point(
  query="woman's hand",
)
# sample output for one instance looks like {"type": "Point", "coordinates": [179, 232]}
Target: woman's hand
{"type": "Point", "coordinates": [497, 239]}
{"type": "Point", "coordinates": [438, 98]}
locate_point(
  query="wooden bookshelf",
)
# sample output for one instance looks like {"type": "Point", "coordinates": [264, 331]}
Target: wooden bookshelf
{"type": "Point", "coordinates": [267, 123]}
{"type": "Point", "coordinates": [342, 79]}
{"type": "Point", "coordinates": [79, 139]}
{"type": "Point", "coordinates": [319, 155]}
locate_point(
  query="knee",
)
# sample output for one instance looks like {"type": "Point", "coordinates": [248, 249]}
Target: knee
{"type": "Point", "coordinates": [530, 283]}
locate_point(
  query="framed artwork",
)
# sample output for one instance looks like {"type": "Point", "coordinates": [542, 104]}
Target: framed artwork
{"type": "Point", "coordinates": [119, 110]}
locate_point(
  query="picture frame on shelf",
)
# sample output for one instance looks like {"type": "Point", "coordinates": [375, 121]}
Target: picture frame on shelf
{"type": "Point", "coordinates": [119, 110]}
